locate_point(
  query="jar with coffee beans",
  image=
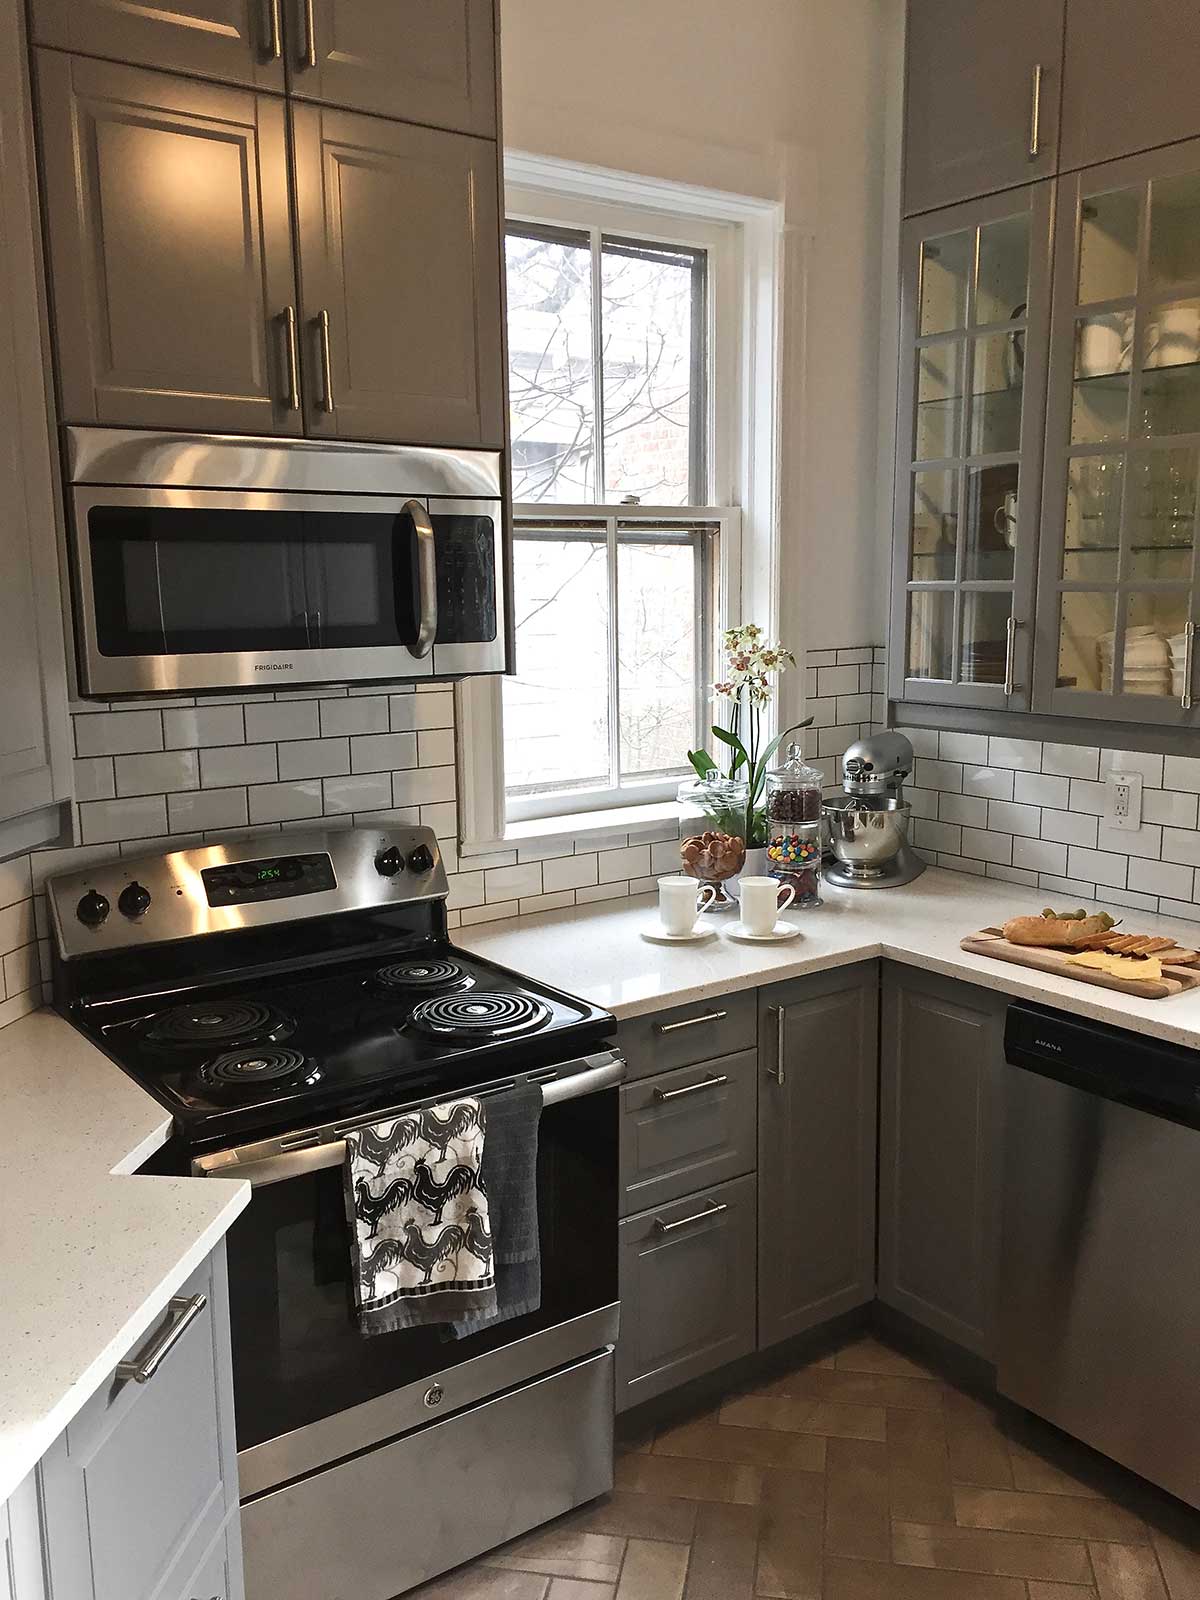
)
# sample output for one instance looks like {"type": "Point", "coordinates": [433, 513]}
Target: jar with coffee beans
{"type": "Point", "coordinates": [793, 808]}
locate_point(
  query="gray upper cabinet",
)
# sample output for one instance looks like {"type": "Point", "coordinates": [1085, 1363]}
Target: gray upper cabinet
{"type": "Point", "coordinates": [816, 1149]}
{"type": "Point", "coordinates": [418, 61]}
{"type": "Point", "coordinates": [975, 314]}
{"type": "Point", "coordinates": [399, 237]}
{"type": "Point", "coordinates": [1130, 78]}
{"type": "Point", "coordinates": [170, 249]}
{"type": "Point", "coordinates": [941, 1131]}
{"type": "Point", "coordinates": [236, 41]}
{"type": "Point", "coordinates": [1119, 585]}
{"type": "Point", "coordinates": [982, 98]}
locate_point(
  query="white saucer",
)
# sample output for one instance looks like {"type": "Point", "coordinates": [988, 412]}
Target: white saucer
{"type": "Point", "coordinates": [661, 936]}
{"type": "Point", "coordinates": [780, 932]}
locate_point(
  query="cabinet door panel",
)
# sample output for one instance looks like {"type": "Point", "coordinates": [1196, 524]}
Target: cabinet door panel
{"type": "Point", "coordinates": [170, 248]}
{"type": "Point", "coordinates": [400, 252]}
{"type": "Point", "coordinates": [430, 61]}
{"type": "Point", "coordinates": [236, 41]}
{"type": "Point", "coordinates": [939, 1167]}
{"type": "Point", "coordinates": [687, 1290]}
{"type": "Point", "coordinates": [970, 114]}
{"type": "Point", "coordinates": [1129, 79]}
{"type": "Point", "coordinates": [816, 1150]}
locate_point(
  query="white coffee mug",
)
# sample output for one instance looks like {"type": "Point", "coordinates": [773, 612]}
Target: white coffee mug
{"type": "Point", "coordinates": [679, 904]}
{"type": "Point", "coordinates": [762, 899]}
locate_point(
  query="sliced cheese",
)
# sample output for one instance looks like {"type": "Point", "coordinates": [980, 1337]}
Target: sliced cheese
{"type": "Point", "coordinates": [1119, 966]}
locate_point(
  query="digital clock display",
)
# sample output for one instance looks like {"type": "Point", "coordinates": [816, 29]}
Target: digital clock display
{"type": "Point", "coordinates": [269, 874]}
{"type": "Point", "coordinates": [239, 882]}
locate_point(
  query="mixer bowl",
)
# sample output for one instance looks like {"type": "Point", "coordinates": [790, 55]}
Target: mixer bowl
{"type": "Point", "coordinates": [866, 836]}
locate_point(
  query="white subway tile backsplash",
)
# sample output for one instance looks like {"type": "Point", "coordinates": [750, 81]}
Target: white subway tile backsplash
{"type": "Point", "coordinates": [1069, 827]}
{"type": "Point", "coordinates": [496, 913]}
{"type": "Point", "coordinates": [602, 891]}
{"type": "Point", "coordinates": [207, 808]}
{"type": "Point", "coordinates": [115, 733]}
{"type": "Point", "coordinates": [1097, 866]}
{"type": "Point", "coordinates": [937, 836]}
{"type": "Point", "coordinates": [315, 758]}
{"type": "Point", "coordinates": [1074, 887]}
{"type": "Point", "coordinates": [632, 862]}
{"type": "Point", "coordinates": [109, 821]}
{"type": "Point", "coordinates": [1144, 841]}
{"type": "Point", "coordinates": [982, 845]}
{"type": "Point", "coordinates": [924, 802]}
{"type": "Point", "coordinates": [466, 889]}
{"type": "Point", "coordinates": [1038, 789]}
{"type": "Point", "coordinates": [996, 869]}
{"type": "Point", "coordinates": [163, 772]}
{"type": "Point", "coordinates": [441, 817]}
{"type": "Point", "coordinates": [1182, 846]}
{"type": "Point", "coordinates": [664, 858]}
{"type": "Point", "coordinates": [965, 808]}
{"type": "Point", "coordinates": [365, 791]}
{"type": "Point", "coordinates": [1012, 818]}
{"type": "Point", "coordinates": [227, 765]}
{"type": "Point", "coordinates": [1021, 755]}
{"type": "Point", "coordinates": [992, 783]}
{"type": "Point", "coordinates": [968, 864]}
{"type": "Point", "coordinates": [16, 880]}
{"type": "Point", "coordinates": [383, 752]}
{"type": "Point", "coordinates": [363, 715]}
{"type": "Point", "coordinates": [1130, 897]}
{"type": "Point", "coordinates": [1071, 760]}
{"type": "Point", "coordinates": [423, 786]}
{"type": "Point", "coordinates": [1170, 807]}
{"type": "Point", "coordinates": [837, 680]}
{"type": "Point", "coordinates": [923, 740]}
{"type": "Point", "coordinates": [17, 925]}
{"type": "Point", "coordinates": [275, 720]}
{"type": "Point", "coordinates": [510, 883]}
{"type": "Point", "coordinates": [285, 802]}
{"type": "Point", "coordinates": [1161, 877]}
{"type": "Point", "coordinates": [194, 726]}
{"type": "Point", "coordinates": [930, 774]}
{"type": "Point", "coordinates": [1179, 772]}
{"type": "Point", "coordinates": [1178, 908]}
{"type": "Point", "coordinates": [965, 747]}
{"type": "Point", "coordinates": [1088, 797]}
{"type": "Point", "coordinates": [94, 778]}
{"type": "Point", "coordinates": [435, 746]}
{"type": "Point", "coordinates": [546, 902]}
{"type": "Point", "coordinates": [414, 712]}
{"type": "Point", "coordinates": [1150, 766]}
{"type": "Point", "coordinates": [572, 872]}
{"type": "Point", "coordinates": [1039, 855]}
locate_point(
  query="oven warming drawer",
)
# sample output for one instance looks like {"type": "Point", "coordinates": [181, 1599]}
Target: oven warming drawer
{"type": "Point", "coordinates": [382, 1522]}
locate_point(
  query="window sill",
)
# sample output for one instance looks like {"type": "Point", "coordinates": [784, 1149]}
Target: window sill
{"type": "Point", "coordinates": [547, 831]}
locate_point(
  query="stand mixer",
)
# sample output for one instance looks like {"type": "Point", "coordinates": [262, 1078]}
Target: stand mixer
{"type": "Point", "coordinates": [868, 825]}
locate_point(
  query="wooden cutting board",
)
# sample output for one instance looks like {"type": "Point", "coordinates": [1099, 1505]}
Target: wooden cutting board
{"type": "Point", "coordinates": [1174, 979]}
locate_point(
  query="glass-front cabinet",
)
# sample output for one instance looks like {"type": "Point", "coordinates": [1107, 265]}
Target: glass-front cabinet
{"type": "Point", "coordinates": [975, 316]}
{"type": "Point", "coordinates": [1117, 600]}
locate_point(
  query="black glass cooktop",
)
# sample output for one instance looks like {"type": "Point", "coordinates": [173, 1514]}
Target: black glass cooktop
{"type": "Point", "coordinates": [265, 1053]}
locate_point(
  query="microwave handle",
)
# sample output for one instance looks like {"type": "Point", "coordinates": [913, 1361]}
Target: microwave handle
{"type": "Point", "coordinates": [426, 577]}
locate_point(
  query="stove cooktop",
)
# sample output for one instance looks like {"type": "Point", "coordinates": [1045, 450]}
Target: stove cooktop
{"type": "Point", "coordinates": [264, 1054]}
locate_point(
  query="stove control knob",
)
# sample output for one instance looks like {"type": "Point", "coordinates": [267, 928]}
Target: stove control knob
{"type": "Point", "coordinates": [134, 900]}
{"type": "Point", "coordinates": [389, 862]}
{"type": "Point", "coordinates": [92, 909]}
{"type": "Point", "coordinates": [421, 859]}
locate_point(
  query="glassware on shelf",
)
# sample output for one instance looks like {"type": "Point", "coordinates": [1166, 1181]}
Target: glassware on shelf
{"type": "Point", "coordinates": [794, 798]}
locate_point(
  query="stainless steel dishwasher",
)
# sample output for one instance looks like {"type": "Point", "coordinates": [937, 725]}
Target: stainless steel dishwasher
{"type": "Point", "coordinates": [1100, 1276]}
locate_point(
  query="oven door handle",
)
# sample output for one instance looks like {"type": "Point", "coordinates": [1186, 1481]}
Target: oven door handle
{"type": "Point", "coordinates": [316, 1150]}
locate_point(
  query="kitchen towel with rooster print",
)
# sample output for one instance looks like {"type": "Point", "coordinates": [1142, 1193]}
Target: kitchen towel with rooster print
{"type": "Point", "coordinates": [419, 1226]}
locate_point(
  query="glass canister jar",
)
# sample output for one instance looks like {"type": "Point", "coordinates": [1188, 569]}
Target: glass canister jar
{"type": "Point", "coordinates": [793, 808]}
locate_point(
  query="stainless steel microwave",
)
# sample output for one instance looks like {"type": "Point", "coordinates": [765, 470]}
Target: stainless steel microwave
{"type": "Point", "coordinates": [213, 562]}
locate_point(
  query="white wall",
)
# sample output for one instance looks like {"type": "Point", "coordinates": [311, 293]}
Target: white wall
{"type": "Point", "coordinates": [783, 99]}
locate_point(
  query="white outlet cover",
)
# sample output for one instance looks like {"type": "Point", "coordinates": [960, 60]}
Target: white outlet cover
{"type": "Point", "coordinates": [1123, 801]}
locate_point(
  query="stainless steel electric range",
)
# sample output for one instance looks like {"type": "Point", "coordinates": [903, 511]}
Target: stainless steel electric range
{"type": "Point", "coordinates": [273, 993]}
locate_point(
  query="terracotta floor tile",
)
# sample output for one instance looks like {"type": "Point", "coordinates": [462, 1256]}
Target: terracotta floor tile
{"type": "Point", "coordinates": [563, 1554]}
{"type": "Point", "coordinates": [1180, 1563]}
{"type": "Point", "coordinates": [1060, 1591]}
{"type": "Point", "coordinates": [859, 1388]}
{"type": "Point", "coordinates": [579, 1589]}
{"type": "Point", "coordinates": [484, 1583]}
{"type": "Point", "coordinates": [684, 1479]}
{"type": "Point", "coordinates": [1068, 1516]}
{"type": "Point", "coordinates": [976, 1443]}
{"type": "Point", "coordinates": [873, 1580]}
{"type": "Point", "coordinates": [827, 1417]}
{"type": "Point", "coordinates": [653, 1571]}
{"type": "Point", "coordinates": [856, 1500]}
{"type": "Point", "coordinates": [919, 1467]}
{"type": "Point", "coordinates": [754, 1447]}
{"type": "Point", "coordinates": [870, 1355]}
{"type": "Point", "coordinates": [1037, 1474]}
{"type": "Point", "coordinates": [638, 1516]}
{"type": "Point", "coordinates": [790, 1562]}
{"type": "Point", "coordinates": [792, 1494]}
{"type": "Point", "coordinates": [1013, 1555]}
{"type": "Point", "coordinates": [1127, 1572]}
{"type": "Point", "coordinates": [723, 1554]}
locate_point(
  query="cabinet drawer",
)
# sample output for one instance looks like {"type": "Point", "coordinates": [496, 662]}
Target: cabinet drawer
{"type": "Point", "coordinates": [686, 1128]}
{"type": "Point", "coordinates": [697, 1032]}
{"type": "Point", "coordinates": [687, 1290]}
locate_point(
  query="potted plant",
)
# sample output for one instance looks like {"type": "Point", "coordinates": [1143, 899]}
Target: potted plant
{"type": "Point", "coordinates": [731, 794]}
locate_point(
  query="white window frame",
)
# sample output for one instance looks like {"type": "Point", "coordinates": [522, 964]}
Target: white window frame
{"type": "Point", "coordinates": [744, 239]}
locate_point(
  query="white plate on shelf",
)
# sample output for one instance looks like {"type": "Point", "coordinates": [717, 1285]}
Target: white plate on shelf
{"type": "Point", "coordinates": [661, 936]}
{"type": "Point", "coordinates": [781, 932]}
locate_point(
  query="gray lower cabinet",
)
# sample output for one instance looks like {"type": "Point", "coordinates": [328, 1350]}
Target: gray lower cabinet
{"type": "Point", "coordinates": [21, 1576]}
{"type": "Point", "coordinates": [682, 1129]}
{"type": "Point", "coordinates": [139, 1496]}
{"type": "Point", "coordinates": [941, 1136]}
{"type": "Point", "coordinates": [702, 1030]}
{"type": "Point", "coordinates": [816, 1149]}
{"type": "Point", "coordinates": [687, 1290]}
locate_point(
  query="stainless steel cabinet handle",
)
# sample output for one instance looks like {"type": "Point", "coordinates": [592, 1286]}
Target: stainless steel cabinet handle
{"type": "Point", "coordinates": [184, 1310]}
{"type": "Point", "coordinates": [663, 1095]}
{"type": "Point", "coordinates": [714, 1209]}
{"type": "Point", "coordinates": [1189, 651]}
{"type": "Point", "coordinates": [1035, 115]}
{"type": "Point", "coordinates": [274, 29]}
{"type": "Point", "coordinates": [1010, 655]}
{"type": "Point", "coordinates": [426, 577]}
{"type": "Point", "coordinates": [322, 321]}
{"type": "Point", "coordinates": [292, 356]}
{"type": "Point", "coordinates": [779, 1072]}
{"type": "Point", "coordinates": [690, 1022]}
{"type": "Point", "coordinates": [308, 34]}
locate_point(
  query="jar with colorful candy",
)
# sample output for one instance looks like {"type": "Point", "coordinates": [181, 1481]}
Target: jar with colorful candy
{"type": "Point", "coordinates": [793, 808]}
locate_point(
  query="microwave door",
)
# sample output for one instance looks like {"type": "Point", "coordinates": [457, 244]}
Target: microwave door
{"type": "Point", "coordinates": [468, 541]}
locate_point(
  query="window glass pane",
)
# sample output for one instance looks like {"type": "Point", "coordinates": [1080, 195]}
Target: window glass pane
{"type": "Point", "coordinates": [1093, 532]}
{"type": "Point", "coordinates": [991, 531]}
{"type": "Point", "coordinates": [556, 707]}
{"type": "Point", "coordinates": [1154, 643]}
{"type": "Point", "coordinates": [660, 611]}
{"type": "Point", "coordinates": [1163, 515]}
{"type": "Point", "coordinates": [652, 320]}
{"type": "Point", "coordinates": [1175, 231]}
{"type": "Point", "coordinates": [1100, 407]}
{"type": "Point", "coordinates": [1003, 286]}
{"type": "Point", "coordinates": [1108, 238]}
{"type": "Point", "coordinates": [550, 366]}
{"type": "Point", "coordinates": [934, 525]}
{"type": "Point", "coordinates": [939, 399]}
{"type": "Point", "coordinates": [996, 372]}
{"type": "Point", "coordinates": [945, 273]}
{"type": "Point", "coordinates": [1085, 642]}
{"type": "Point", "coordinates": [985, 636]}
{"type": "Point", "coordinates": [1171, 375]}
{"type": "Point", "coordinates": [930, 633]}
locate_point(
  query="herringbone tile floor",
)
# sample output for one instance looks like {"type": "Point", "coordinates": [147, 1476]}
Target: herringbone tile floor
{"type": "Point", "coordinates": [861, 1476]}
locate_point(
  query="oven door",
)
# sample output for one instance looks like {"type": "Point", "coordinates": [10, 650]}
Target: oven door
{"type": "Point", "coordinates": [181, 589]}
{"type": "Point", "coordinates": [311, 1390]}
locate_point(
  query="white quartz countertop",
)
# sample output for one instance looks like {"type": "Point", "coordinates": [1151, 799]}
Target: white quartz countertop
{"type": "Point", "coordinates": [596, 951]}
{"type": "Point", "coordinates": [88, 1255]}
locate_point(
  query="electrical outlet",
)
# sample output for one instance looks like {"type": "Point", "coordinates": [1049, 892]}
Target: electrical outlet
{"type": "Point", "coordinates": [1123, 800]}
